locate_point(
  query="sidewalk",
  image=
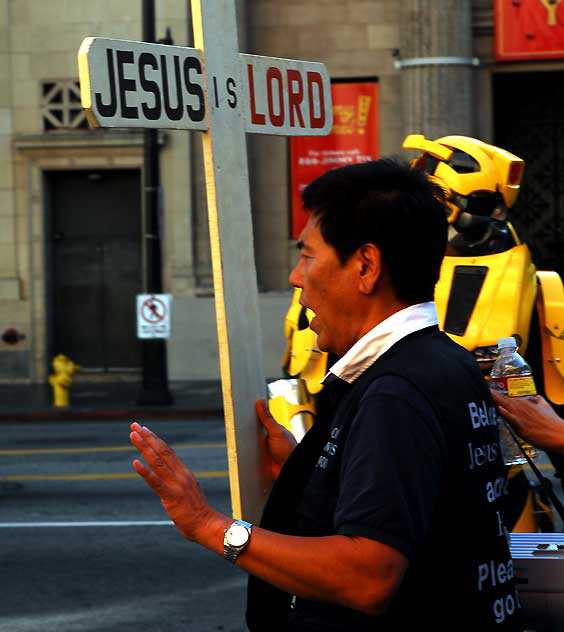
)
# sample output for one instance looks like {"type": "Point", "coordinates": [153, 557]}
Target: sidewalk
{"type": "Point", "coordinates": [111, 400]}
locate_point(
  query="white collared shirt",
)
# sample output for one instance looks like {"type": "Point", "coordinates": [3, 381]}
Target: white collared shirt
{"type": "Point", "coordinates": [379, 339]}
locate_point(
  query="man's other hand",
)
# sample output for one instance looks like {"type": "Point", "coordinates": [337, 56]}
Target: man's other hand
{"type": "Point", "coordinates": [533, 419]}
{"type": "Point", "coordinates": [279, 441]}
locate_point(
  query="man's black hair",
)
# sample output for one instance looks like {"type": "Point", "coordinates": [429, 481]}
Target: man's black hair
{"type": "Point", "coordinates": [392, 205]}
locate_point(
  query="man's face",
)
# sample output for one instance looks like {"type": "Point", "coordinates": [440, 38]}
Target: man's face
{"type": "Point", "coordinates": [329, 289]}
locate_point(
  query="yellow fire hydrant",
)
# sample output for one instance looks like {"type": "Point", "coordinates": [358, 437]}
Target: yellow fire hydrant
{"type": "Point", "coordinates": [61, 380]}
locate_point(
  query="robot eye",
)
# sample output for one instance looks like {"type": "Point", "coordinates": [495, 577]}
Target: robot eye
{"type": "Point", "coordinates": [481, 203]}
{"type": "Point", "coordinates": [462, 162]}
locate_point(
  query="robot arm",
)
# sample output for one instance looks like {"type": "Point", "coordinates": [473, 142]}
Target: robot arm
{"type": "Point", "coordinates": [550, 306]}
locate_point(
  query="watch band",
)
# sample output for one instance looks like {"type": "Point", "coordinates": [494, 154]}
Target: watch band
{"type": "Point", "coordinates": [231, 551]}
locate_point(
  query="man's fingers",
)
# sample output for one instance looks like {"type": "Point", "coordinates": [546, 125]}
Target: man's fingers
{"type": "Point", "coordinates": [158, 471]}
{"type": "Point", "coordinates": [505, 413]}
{"type": "Point", "coordinates": [154, 482]}
{"type": "Point", "coordinates": [543, 404]}
{"type": "Point", "coordinates": [264, 415]}
{"type": "Point", "coordinates": [156, 452]}
{"type": "Point", "coordinates": [260, 407]}
{"type": "Point", "coordinates": [498, 397]}
{"type": "Point", "coordinates": [140, 468]}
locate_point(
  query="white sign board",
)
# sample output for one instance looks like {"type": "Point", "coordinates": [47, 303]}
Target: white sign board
{"type": "Point", "coordinates": [285, 96]}
{"type": "Point", "coordinates": [135, 84]}
{"type": "Point", "coordinates": [153, 315]}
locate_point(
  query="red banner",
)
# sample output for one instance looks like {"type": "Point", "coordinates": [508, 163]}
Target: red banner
{"type": "Point", "coordinates": [529, 29]}
{"type": "Point", "coordinates": [354, 138]}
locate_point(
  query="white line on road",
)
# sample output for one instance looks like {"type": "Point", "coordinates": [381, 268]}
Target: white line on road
{"type": "Point", "coordinates": [102, 523]}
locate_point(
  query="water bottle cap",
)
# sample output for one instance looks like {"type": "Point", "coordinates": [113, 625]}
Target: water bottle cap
{"type": "Point", "coordinates": [504, 343]}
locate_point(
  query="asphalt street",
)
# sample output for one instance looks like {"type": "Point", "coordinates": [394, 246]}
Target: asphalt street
{"type": "Point", "coordinates": [86, 546]}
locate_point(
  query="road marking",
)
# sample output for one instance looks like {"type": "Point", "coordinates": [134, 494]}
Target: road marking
{"type": "Point", "coordinates": [96, 477]}
{"type": "Point", "coordinates": [187, 446]}
{"type": "Point", "coordinates": [100, 523]}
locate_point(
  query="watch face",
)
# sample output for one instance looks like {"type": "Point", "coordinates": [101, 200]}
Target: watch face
{"type": "Point", "coordinates": [237, 535]}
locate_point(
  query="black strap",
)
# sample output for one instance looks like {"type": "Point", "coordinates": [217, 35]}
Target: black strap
{"type": "Point", "coordinates": [546, 483]}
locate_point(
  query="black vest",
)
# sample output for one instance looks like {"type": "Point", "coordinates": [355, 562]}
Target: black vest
{"type": "Point", "coordinates": [463, 574]}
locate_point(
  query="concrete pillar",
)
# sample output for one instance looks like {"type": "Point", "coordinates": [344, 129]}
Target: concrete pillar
{"type": "Point", "coordinates": [8, 282]}
{"type": "Point", "coordinates": [436, 94]}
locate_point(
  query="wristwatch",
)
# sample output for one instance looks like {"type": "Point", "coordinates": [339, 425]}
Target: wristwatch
{"type": "Point", "coordinates": [236, 538]}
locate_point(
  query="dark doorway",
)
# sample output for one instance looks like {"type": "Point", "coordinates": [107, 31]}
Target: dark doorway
{"type": "Point", "coordinates": [94, 229]}
{"type": "Point", "coordinates": [529, 123]}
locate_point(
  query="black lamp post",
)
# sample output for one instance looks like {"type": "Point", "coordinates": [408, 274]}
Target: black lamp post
{"type": "Point", "coordinates": [154, 389]}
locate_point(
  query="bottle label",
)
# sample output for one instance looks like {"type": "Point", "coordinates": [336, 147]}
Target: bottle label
{"type": "Point", "coordinates": [515, 386]}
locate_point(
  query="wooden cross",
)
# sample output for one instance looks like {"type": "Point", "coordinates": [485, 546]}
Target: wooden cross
{"type": "Point", "coordinates": [223, 93]}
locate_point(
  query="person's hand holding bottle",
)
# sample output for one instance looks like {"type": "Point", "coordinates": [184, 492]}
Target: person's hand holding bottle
{"type": "Point", "coordinates": [534, 419]}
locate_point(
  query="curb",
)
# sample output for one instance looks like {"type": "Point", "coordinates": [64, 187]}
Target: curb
{"type": "Point", "coordinates": [96, 414]}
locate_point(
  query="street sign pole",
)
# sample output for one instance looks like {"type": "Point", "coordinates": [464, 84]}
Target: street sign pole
{"type": "Point", "coordinates": [154, 385]}
{"type": "Point", "coordinates": [223, 93]}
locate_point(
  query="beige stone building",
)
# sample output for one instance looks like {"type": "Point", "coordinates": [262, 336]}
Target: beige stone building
{"type": "Point", "coordinates": [70, 197]}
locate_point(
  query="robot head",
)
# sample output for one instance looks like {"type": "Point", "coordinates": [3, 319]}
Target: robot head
{"type": "Point", "coordinates": [477, 176]}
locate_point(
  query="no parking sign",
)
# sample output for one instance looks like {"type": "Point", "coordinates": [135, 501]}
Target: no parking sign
{"type": "Point", "coordinates": [153, 315]}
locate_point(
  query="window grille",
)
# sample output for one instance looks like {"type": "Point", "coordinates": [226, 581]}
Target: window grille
{"type": "Point", "coordinates": [60, 105]}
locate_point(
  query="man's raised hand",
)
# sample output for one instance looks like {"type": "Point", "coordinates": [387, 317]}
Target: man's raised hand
{"type": "Point", "coordinates": [173, 482]}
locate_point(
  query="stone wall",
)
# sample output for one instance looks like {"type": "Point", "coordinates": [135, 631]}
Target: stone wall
{"type": "Point", "coordinates": [39, 42]}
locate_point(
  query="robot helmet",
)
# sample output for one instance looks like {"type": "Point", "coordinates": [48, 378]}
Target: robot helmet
{"type": "Point", "coordinates": [475, 174]}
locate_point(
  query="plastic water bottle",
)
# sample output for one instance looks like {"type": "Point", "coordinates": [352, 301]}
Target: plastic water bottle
{"type": "Point", "coordinates": [512, 376]}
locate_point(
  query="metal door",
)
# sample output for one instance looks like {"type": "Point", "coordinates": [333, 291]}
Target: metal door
{"type": "Point", "coordinates": [94, 226]}
{"type": "Point", "coordinates": [529, 122]}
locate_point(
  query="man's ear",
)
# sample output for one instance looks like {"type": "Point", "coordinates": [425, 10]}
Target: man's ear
{"type": "Point", "coordinates": [370, 267]}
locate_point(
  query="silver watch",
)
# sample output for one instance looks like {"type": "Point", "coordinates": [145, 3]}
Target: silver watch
{"type": "Point", "coordinates": [236, 538]}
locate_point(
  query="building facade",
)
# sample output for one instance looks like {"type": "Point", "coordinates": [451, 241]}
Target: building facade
{"type": "Point", "coordinates": [70, 197]}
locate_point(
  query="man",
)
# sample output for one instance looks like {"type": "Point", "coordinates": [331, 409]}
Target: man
{"type": "Point", "coordinates": [388, 512]}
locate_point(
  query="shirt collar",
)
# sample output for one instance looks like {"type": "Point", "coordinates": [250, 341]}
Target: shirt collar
{"type": "Point", "coordinates": [379, 339]}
